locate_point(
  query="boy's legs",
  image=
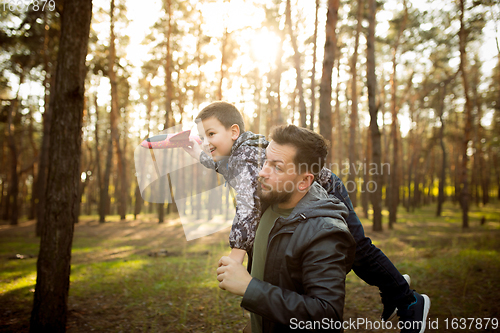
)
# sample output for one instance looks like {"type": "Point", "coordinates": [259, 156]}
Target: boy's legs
{"type": "Point", "coordinates": [373, 266]}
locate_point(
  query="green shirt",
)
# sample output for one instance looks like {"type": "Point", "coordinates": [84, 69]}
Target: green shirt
{"type": "Point", "coordinates": [260, 251]}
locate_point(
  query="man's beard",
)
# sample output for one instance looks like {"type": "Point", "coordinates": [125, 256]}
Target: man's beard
{"type": "Point", "coordinates": [273, 196]}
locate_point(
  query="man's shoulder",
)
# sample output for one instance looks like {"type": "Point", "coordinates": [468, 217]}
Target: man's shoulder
{"type": "Point", "coordinates": [327, 223]}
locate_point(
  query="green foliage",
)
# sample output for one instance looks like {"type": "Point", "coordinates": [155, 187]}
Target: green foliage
{"type": "Point", "coordinates": [116, 286]}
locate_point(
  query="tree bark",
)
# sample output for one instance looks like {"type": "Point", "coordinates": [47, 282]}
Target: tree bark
{"type": "Point", "coordinates": [393, 191]}
{"type": "Point", "coordinates": [114, 119]}
{"type": "Point", "coordinates": [54, 260]}
{"type": "Point", "coordinates": [337, 122]}
{"type": "Point", "coordinates": [365, 195]}
{"type": "Point", "coordinates": [13, 193]}
{"type": "Point", "coordinates": [313, 70]}
{"type": "Point", "coordinates": [442, 177]}
{"type": "Point", "coordinates": [376, 196]}
{"type": "Point", "coordinates": [325, 99]}
{"type": "Point", "coordinates": [296, 58]}
{"type": "Point", "coordinates": [222, 63]}
{"type": "Point", "coordinates": [353, 125]}
{"type": "Point", "coordinates": [464, 191]}
{"type": "Point", "coordinates": [41, 181]}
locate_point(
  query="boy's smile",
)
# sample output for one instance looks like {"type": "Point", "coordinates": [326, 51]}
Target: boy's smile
{"type": "Point", "coordinates": [216, 138]}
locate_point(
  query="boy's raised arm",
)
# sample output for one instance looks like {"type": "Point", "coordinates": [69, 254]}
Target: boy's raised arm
{"type": "Point", "coordinates": [194, 149]}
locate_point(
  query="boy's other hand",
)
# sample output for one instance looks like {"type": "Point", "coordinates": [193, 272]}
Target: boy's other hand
{"type": "Point", "coordinates": [194, 149]}
{"type": "Point", "coordinates": [233, 276]}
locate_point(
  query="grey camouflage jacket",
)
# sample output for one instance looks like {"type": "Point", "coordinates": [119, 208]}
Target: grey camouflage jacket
{"type": "Point", "coordinates": [241, 170]}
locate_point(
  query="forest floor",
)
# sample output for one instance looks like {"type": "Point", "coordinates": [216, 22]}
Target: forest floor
{"type": "Point", "coordinates": [141, 276]}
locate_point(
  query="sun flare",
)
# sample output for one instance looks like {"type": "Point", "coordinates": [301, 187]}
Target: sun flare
{"type": "Point", "coordinates": [265, 45]}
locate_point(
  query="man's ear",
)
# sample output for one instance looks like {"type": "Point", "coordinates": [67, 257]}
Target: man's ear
{"type": "Point", "coordinates": [235, 132]}
{"type": "Point", "coordinates": [306, 182]}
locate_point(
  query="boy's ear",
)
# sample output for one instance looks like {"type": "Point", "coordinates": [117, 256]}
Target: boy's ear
{"type": "Point", "coordinates": [235, 132]}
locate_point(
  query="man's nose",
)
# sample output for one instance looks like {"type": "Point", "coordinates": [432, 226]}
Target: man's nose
{"type": "Point", "coordinates": [264, 171]}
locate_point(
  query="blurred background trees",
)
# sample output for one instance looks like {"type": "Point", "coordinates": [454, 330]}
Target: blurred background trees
{"type": "Point", "coordinates": [407, 92]}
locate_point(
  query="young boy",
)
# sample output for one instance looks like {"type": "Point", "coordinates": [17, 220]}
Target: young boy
{"type": "Point", "coordinates": [238, 156]}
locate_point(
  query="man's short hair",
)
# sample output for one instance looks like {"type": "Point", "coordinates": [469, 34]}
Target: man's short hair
{"type": "Point", "coordinates": [225, 112]}
{"type": "Point", "coordinates": [311, 148]}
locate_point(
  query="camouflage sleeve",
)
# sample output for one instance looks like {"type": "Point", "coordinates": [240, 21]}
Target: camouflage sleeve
{"type": "Point", "coordinates": [325, 179]}
{"type": "Point", "coordinates": [207, 161]}
{"type": "Point", "coordinates": [248, 204]}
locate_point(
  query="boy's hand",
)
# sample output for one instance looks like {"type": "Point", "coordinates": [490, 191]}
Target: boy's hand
{"type": "Point", "coordinates": [233, 276]}
{"type": "Point", "coordinates": [194, 149]}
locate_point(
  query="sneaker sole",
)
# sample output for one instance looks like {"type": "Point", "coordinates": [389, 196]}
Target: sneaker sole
{"type": "Point", "coordinates": [393, 315]}
{"type": "Point", "coordinates": [427, 306]}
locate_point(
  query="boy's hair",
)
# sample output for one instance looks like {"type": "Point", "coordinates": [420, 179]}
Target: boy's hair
{"type": "Point", "coordinates": [225, 112]}
{"type": "Point", "coordinates": [311, 148]}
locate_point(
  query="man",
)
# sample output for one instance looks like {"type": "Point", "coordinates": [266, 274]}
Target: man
{"type": "Point", "coordinates": [303, 248]}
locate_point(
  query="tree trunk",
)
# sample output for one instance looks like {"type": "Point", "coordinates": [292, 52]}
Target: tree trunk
{"type": "Point", "coordinates": [313, 70]}
{"type": "Point", "coordinates": [13, 193]}
{"type": "Point", "coordinates": [222, 63]}
{"type": "Point", "coordinates": [373, 109]}
{"type": "Point", "coordinates": [325, 99]}
{"type": "Point", "coordinates": [114, 119]}
{"type": "Point", "coordinates": [296, 58]}
{"type": "Point", "coordinates": [104, 201]}
{"type": "Point", "coordinates": [353, 158]}
{"type": "Point", "coordinates": [100, 182]}
{"type": "Point", "coordinates": [442, 177]}
{"type": "Point", "coordinates": [337, 122]}
{"type": "Point", "coordinates": [365, 195]}
{"type": "Point", "coordinates": [393, 191]}
{"type": "Point", "coordinates": [32, 206]}
{"type": "Point", "coordinates": [41, 181]}
{"type": "Point", "coordinates": [464, 192]}
{"type": "Point", "coordinates": [54, 260]}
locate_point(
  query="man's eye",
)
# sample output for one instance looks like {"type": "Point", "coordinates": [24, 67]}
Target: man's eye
{"type": "Point", "coordinates": [277, 168]}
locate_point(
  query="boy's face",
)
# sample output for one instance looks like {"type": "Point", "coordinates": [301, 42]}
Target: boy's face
{"type": "Point", "coordinates": [217, 140]}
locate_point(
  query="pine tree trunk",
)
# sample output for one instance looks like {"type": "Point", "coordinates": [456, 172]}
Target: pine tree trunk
{"type": "Point", "coordinates": [376, 196]}
{"type": "Point", "coordinates": [325, 108]}
{"type": "Point", "coordinates": [53, 267]}
{"type": "Point", "coordinates": [313, 70]}
{"type": "Point", "coordinates": [32, 205]}
{"type": "Point", "coordinates": [365, 195]}
{"type": "Point", "coordinates": [41, 181]}
{"type": "Point", "coordinates": [114, 119]}
{"type": "Point", "coordinates": [353, 125]}
{"type": "Point", "coordinates": [442, 177]}
{"type": "Point", "coordinates": [464, 192]}
{"type": "Point", "coordinates": [337, 123]}
{"type": "Point", "coordinates": [393, 191]}
{"type": "Point", "coordinates": [296, 58]}
{"type": "Point", "coordinates": [13, 193]}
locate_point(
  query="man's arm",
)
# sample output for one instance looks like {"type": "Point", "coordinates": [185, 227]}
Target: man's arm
{"type": "Point", "coordinates": [326, 262]}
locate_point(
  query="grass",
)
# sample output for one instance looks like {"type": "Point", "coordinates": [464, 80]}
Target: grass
{"type": "Point", "coordinates": [116, 286]}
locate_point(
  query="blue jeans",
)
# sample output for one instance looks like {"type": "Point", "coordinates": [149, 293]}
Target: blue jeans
{"type": "Point", "coordinates": [370, 263]}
